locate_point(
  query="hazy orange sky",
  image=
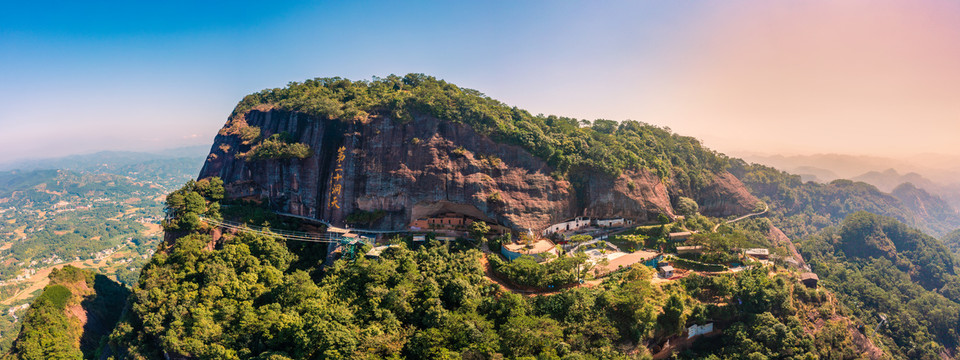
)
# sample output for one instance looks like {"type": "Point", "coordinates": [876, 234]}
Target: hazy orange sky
{"type": "Point", "coordinates": [862, 77]}
{"type": "Point", "coordinates": [792, 77]}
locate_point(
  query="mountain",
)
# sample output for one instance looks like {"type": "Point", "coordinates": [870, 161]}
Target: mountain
{"type": "Point", "coordinates": [926, 207]}
{"type": "Point", "coordinates": [841, 166]}
{"type": "Point", "coordinates": [104, 160]}
{"type": "Point", "coordinates": [937, 174]}
{"type": "Point", "coordinates": [890, 179]}
{"type": "Point", "coordinates": [395, 150]}
{"type": "Point", "coordinates": [440, 148]}
{"type": "Point", "coordinates": [812, 173]}
{"type": "Point", "coordinates": [415, 146]}
{"type": "Point", "coordinates": [803, 208]}
{"type": "Point", "coordinates": [893, 278]}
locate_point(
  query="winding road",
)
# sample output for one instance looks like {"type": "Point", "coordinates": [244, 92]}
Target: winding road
{"type": "Point", "coordinates": [765, 209]}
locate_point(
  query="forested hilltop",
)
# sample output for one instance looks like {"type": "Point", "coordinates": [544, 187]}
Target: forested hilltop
{"type": "Point", "coordinates": [381, 154]}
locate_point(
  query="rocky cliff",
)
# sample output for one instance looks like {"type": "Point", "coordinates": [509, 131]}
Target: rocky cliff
{"type": "Point", "coordinates": [424, 166]}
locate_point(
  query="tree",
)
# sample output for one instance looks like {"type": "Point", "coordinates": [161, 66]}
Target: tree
{"type": "Point", "coordinates": [580, 238]}
{"type": "Point", "coordinates": [672, 320]}
{"type": "Point", "coordinates": [530, 336]}
{"type": "Point", "coordinates": [478, 229]}
{"type": "Point", "coordinates": [663, 219]}
{"type": "Point", "coordinates": [687, 206]}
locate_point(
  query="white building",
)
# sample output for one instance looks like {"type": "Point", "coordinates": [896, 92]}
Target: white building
{"type": "Point", "coordinates": [611, 222]}
{"type": "Point", "coordinates": [758, 253]}
{"type": "Point", "coordinates": [695, 330]}
{"type": "Point", "coordinates": [572, 224]}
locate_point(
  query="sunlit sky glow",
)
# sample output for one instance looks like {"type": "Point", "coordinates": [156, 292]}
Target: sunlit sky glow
{"type": "Point", "coordinates": [861, 77]}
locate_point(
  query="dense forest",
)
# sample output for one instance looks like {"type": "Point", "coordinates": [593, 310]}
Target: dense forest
{"type": "Point", "coordinates": [253, 296]}
{"type": "Point", "coordinates": [896, 279]}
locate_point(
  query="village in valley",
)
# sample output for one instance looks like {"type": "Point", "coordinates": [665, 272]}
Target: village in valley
{"type": "Point", "coordinates": [106, 218]}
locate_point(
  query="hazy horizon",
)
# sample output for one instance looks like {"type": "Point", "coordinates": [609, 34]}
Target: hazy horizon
{"type": "Point", "coordinates": [873, 78]}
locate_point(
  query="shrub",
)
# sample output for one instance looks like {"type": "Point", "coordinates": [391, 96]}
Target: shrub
{"type": "Point", "coordinates": [279, 147]}
{"type": "Point", "coordinates": [58, 295]}
{"type": "Point", "coordinates": [494, 198]}
{"type": "Point", "coordinates": [365, 217]}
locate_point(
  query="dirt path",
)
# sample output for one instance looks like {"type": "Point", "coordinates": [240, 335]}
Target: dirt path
{"type": "Point", "coordinates": [677, 276]}
{"type": "Point", "coordinates": [37, 281]}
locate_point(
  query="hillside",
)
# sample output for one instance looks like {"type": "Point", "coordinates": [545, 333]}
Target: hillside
{"type": "Point", "coordinates": [952, 241]}
{"type": "Point", "coordinates": [254, 296]}
{"type": "Point", "coordinates": [900, 282]}
{"type": "Point", "coordinates": [67, 320]}
{"type": "Point", "coordinates": [890, 179]}
{"type": "Point", "coordinates": [802, 208]}
{"type": "Point", "coordinates": [927, 206]}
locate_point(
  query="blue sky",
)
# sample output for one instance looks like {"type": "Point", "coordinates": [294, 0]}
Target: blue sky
{"type": "Point", "coordinates": [87, 76]}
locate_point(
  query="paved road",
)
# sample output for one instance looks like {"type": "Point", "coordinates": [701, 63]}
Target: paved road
{"type": "Point", "coordinates": [765, 209]}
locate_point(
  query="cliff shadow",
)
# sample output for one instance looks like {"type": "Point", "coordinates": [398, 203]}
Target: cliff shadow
{"type": "Point", "coordinates": [103, 312]}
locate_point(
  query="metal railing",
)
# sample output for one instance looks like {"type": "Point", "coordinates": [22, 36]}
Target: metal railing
{"type": "Point", "coordinates": [286, 234]}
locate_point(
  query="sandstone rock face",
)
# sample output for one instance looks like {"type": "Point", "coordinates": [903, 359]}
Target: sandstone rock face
{"type": "Point", "coordinates": [637, 195]}
{"type": "Point", "coordinates": [725, 196]}
{"type": "Point", "coordinates": [778, 238]}
{"type": "Point", "coordinates": [427, 166]}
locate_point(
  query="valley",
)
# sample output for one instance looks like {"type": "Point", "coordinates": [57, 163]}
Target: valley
{"type": "Point", "coordinates": [96, 214]}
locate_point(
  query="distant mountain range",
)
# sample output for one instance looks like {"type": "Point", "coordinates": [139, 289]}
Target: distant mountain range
{"type": "Point", "coordinates": [94, 161]}
{"type": "Point", "coordinates": [828, 167]}
{"type": "Point", "coordinates": [937, 177]}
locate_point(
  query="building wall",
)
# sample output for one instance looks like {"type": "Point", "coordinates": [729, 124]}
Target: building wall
{"type": "Point", "coordinates": [574, 224]}
{"type": "Point", "coordinates": [443, 222]}
{"type": "Point", "coordinates": [611, 222]}
{"type": "Point", "coordinates": [695, 330]}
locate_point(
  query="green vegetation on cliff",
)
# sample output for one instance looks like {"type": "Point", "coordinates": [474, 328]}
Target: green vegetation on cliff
{"type": "Point", "coordinates": [278, 147]}
{"type": "Point", "coordinates": [566, 144]}
{"type": "Point", "coordinates": [197, 198]}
